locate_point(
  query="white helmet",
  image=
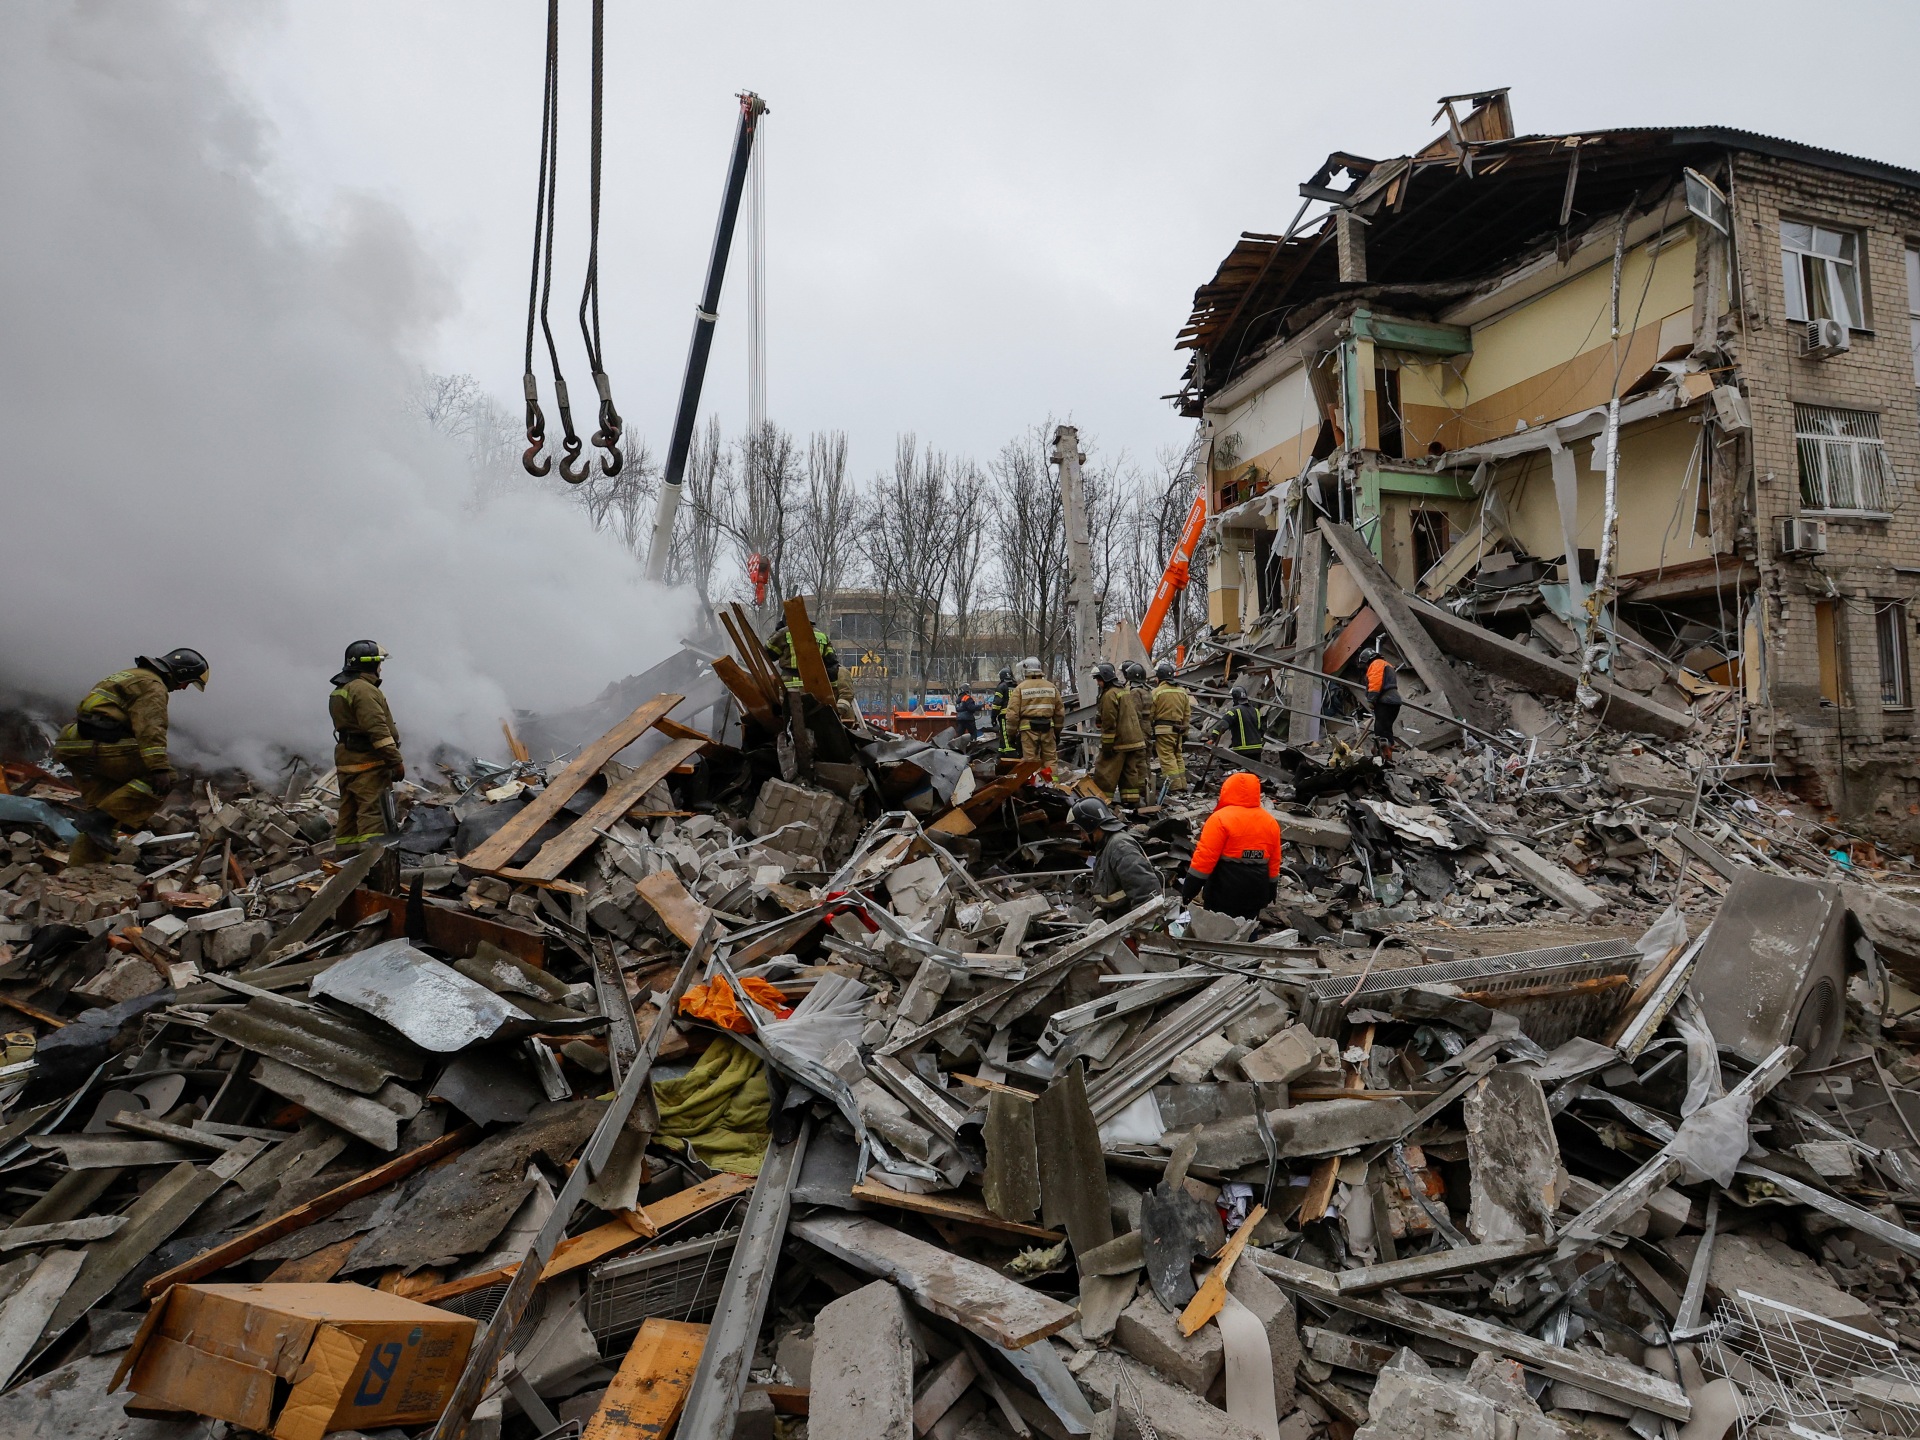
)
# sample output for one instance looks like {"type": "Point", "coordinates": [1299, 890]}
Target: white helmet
{"type": "Point", "coordinates": [1030, 666]}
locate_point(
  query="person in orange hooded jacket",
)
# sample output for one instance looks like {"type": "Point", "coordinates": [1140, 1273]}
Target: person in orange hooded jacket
{"type": "Point", "coordinates": [1237, 861]}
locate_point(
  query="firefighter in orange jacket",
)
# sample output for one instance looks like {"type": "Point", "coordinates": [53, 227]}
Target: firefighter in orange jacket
{"type": "Point", "coordinates": [1383, 694]}
{"type": "Point", "coordinates": [1237, 862]}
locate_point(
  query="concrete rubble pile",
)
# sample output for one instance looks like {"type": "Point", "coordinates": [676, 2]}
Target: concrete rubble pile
{"type": "Point", "coordinates": [778, 1076]}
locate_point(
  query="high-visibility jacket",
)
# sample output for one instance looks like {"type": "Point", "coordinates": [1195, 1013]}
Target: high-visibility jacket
{"type": "Point", "coordinates": [780, 650]}
{"type": "Point", "coordinates": [1383, 681]}
{"type": "Point", "coordinates": [363, 730]}
{"type": "Point", "coordinates": [1002, 700]}
{"type": "Point", "coordinates": [1120, 727]}
{"type": "Point", "coordinates": [1172, 708]}
{"type": "Point", "coordinates": [1245, 731]}
{"type": "Point", "coordinates": [1239, 829]}
{"type": "Point", "coordinates": [129, 705]}
{"type": "Point", "coordinates": [1036, 705]}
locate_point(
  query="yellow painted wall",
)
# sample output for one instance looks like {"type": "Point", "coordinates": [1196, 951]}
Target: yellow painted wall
{"type": "Point", "coordinates": [1396, 533]}
{"type": "Point", "coordinates": [1658, 472]}
{"type": "Point", "coordinates": [1276, 429]}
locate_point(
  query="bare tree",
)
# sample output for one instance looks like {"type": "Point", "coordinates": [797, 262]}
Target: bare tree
{"type": "Point", "coordinates": [823, 556]}
{"type": "Point", "coordinates": [1030, 525]}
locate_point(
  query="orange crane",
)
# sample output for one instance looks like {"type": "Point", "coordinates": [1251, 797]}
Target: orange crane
{"type": "Point", "coordinates": [1175, 579]}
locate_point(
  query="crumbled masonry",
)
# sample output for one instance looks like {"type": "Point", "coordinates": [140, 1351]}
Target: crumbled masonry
{"type": "Point", "coordinates": [804, 1088]}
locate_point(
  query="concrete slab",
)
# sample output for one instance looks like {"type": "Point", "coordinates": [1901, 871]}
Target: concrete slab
{"type": "Point", "coordinates": [862, 1372]}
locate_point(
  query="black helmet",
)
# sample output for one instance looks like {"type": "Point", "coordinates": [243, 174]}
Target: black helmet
{"type": "Point", "coordinates": [364, 655]}
{"type": "Point", "coordinates": [1134, 671]}
{"type": "Point", "coordinates": [1239, 692]}
{"type": "Point", "coordinates": [1091, 814]}
{"type": "Point", "coordinates": [1106, 674]}
{"type": "Point", "coordinates": [1006, 676]}
{"type": "Point", "coordinates": [1164, 670]}
{"type": "Point", "coordinates": [181, 668]}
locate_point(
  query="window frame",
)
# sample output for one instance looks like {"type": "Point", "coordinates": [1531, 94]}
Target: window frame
{"type": "Point", "coordinates": [1894, 655]}
{"type": "Point", "coordinates": [1912, 256]}
{"type": "Point", "coordinates": [1796, 260]}
{"type": "Point", "coordinates": [1825, 446]}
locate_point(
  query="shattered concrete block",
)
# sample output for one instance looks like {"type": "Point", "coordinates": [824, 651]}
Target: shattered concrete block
{"type": "Point", "coordinates": [1287, 1056]}
{"type": "Point", "coordinates": [862, 1373]}
{"type": "Point", "coordinates": [1762, 1265]}
{"type": "Point", "coordinates": [1144, 1405]}
{"type": "Point", "coordinates": [164, 929]}
{"type": "Point", "coordinates": [1513, 1156]}
{"type": "Point", "coordinates": [755, 1417]}
{"type": "Point", "coordinates": [1261, 1023]}
{"type": "Point", "coordinates": [1205, 924]}
{"type": "Point", "coordinates": [131, 978]}
{"type": "Point", "coordinates": [209, 920]}
{"type": "Point", "coordinates": [1196, 1065]}
{"type": "Point", "coordinates": [805, 818]}
{"type": "Point", "coordinates": [1329, 1125]}
{"type": "Point", "coordinates": [1150, 1333]}
{"type": "Point", "coordinates": [1273, 1307]}
{"type": "Point", "coordinates": [237, 944]}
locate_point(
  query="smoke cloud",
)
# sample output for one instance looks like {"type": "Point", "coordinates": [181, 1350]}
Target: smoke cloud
{"type": "Point", "coordinates": [206, 441]}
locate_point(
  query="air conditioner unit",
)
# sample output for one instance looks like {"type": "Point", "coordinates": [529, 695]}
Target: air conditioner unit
{"type": "Point", "coordinates": [1773, 969]}
{"type": "Point", "coordinates": [1799, 536]}
{"type": "Point", "coordinates": [1827, 337]}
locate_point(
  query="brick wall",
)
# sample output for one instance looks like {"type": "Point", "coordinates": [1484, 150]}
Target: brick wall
{"type": "Point", "coordinates": [1861, 760]}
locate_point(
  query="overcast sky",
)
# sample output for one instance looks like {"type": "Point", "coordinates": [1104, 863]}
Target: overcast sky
{"type": "Point", "coordinates": [978, 214]}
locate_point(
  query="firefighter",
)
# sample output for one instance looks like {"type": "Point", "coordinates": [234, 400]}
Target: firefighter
{"type": "Point", "coordinates": [780, 651]}
{"type": "Point", "coordinates": [1241, 723]}
{"type": "Point", "coordinates": [1122, 767]}
{"type": "Point", "coordinates": [366, 748]}
{"type": "Point", "coordinates": [997, 706]}
{"type": "Point", "coordinates": [1383, 693]}
{"type": "Point", "coordinates": [1135, 674]}
{"type": "Point", "coordinates": [1237, 861]}
{"type": "Point", "coordinates": [1172, 712]}
{"type": "Point", "coordinates": [116, 748]}
{"type": "Point", "coordinates": [1123, 877]}
{"type": "Point", "coordinates": [1033, 713]}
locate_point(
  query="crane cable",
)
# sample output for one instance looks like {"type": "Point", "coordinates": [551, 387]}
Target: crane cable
{"type": "Point", "coordinates": [541, 285]}
{"type": "Point", "coordinates": [607, 437]}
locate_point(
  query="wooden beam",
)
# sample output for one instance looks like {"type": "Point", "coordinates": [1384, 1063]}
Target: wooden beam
{"type": "Point", "coordinates": [574, 841]}
{"type": "Point", "coordinates": [1432, 1267]}
{"type": "Point", "coordinates": [745, 691]}
{"type": "Point", "coordinates": [647, 1396]}
{"type": "Point", "coordinates": [1211, 1297]}
{"type": "Point", "coordinates": [232, 1252]}
{"type": "Point", "coordinates": [961, 1209]}
{"type": "Point", "coordinates": [806, 653]}
{"type": "Point", "coordinates": [499, 849]}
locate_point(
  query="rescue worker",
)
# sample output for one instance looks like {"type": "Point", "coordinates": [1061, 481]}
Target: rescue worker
{"type": "Point", "coordinates": [116, 748]}
{"type": "Point", "coordinates": [1123, 877]}
{"type": "Point", "coordinates": [780, 651]}
{"type": "Point", "coordinates": [1135, 674]}
{"type": "Point", "coordinates": [1383, 693]}
{"type": "Point", "coordinates": [1171, 713]}
{"type": "Point", "coordinates": [997, 707]}
{"type": "Point", "coordinates": [1033, 713]}
{"type": "Point", "coordinates": [1237, 861]}
{"type": "Point", "coordinates": [967, 712]}
{"type": "Point", "coordinates": [1122, 768]}
{"type": "Point", "coordinates": [366, 747]}
{"type": "Point", "coordinates": [1241, 723]}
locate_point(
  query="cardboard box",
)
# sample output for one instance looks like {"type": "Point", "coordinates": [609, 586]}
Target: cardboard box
{"type": "Point", "coordinates": [297, 1361]}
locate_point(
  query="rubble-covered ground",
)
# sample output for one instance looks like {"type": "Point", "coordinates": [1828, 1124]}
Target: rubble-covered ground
{"type": "Point", "coordinates": [782, 1077]}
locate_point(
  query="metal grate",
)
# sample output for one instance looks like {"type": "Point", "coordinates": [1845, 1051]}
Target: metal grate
{"type": "Point", "coordinates": [1843, 460]}
{"type": "Point", "coordinates": [1802, 1374]}
{"type": "Point", "coordinates": [673, 1282]}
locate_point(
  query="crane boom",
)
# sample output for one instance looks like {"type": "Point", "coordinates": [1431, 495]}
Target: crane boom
{"type": "Point", "coordinates": [1174, 580]}
{"type": "Point", "coordinates": [752, 107]}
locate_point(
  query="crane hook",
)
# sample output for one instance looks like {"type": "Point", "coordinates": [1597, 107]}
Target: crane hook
{"type": "Point", "coordinates": [570, 472]}
{"type": "Point", "coordinates": [536, 432]}
{"type": "Point", "coordinates": [607, 437]}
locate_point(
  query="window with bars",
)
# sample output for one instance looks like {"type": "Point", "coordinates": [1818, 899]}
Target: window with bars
{"type": "Point", "coordinates": [1843, 461]}
{"type": "Point", "coordinates": [1890, 629]}
{"type": "Point", "coordinates": [1822, 273]}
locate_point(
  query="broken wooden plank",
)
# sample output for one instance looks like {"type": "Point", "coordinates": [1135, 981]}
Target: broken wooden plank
{"type": "Point", "coordinates": [1212, 1295]}
{"type": "Point", "coordinates": [1319, 1193]}
{"type": "Point", "coordinates": [806, 652]}
{"type": "Point", "coordinates": [1386, 599]}
{"type": "Point", "coordinates": [743, 689]}
{"type": "Point", "coordinates": [574, 841]}
{"type": "Point", "coordinates": [941, 1389]}
{"type": "Point", "coordinates": [947, 1205]}
{"type": "Point", "coordinates": [650, 1390]}
{"type": "Point", "coordinates": [28, 1310]}
{"type": "Point", "coordinates": [315, 1269]}
{"type": "Point", "coordinates": [677, 909]}
{"type": "Point", "coordinates": [964, 1291]}
{"type": "Point", "coordinates": [459, 933]}
{"type": "Point", "coordinates": [63, 1232]}
{"type": "Point", "coordinates": [326, 900]}
{"type": "Point", "coordinates": [233, 1251]}
{"type": "Point", "coordinates": [1389, 1273]}
{"type": "Point", "coordinates": [499, 848]}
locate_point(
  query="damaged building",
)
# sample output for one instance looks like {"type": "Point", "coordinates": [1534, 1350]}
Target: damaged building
{"type": "Point", "coordinates": [1438, 362]}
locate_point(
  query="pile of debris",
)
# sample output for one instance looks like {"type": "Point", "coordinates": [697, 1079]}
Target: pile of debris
{"type": "Point", "coordinates": [782, 1077]}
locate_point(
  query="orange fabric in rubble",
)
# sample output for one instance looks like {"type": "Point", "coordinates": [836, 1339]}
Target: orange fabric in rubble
{"type": "Point", "coordinates": [714, 1002]}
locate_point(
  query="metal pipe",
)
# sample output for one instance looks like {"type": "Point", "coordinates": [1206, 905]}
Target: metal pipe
{"type": "Point", "coordinates": [752, 107]}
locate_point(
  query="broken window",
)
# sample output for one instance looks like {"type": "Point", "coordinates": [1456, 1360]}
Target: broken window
{"type": "Point", "coordinates": [1386, 384]}
{"type": "Point", "coordinates": [1822, 273]}
{"type": "Point", "coordinates": [1913, 309]}
{"type": "Point", "coordinates": [1890, 629]}
{"type": "Point", "coordinates": [1843, 461]}
{"type": "Point", "coordinates": [1432, 538]}
{"type": "Point", "coordinates": [1830, 639]}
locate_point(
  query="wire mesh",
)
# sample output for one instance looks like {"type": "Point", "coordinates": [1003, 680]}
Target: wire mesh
{"type": "Point", "coordinates": [1802, 1374]}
